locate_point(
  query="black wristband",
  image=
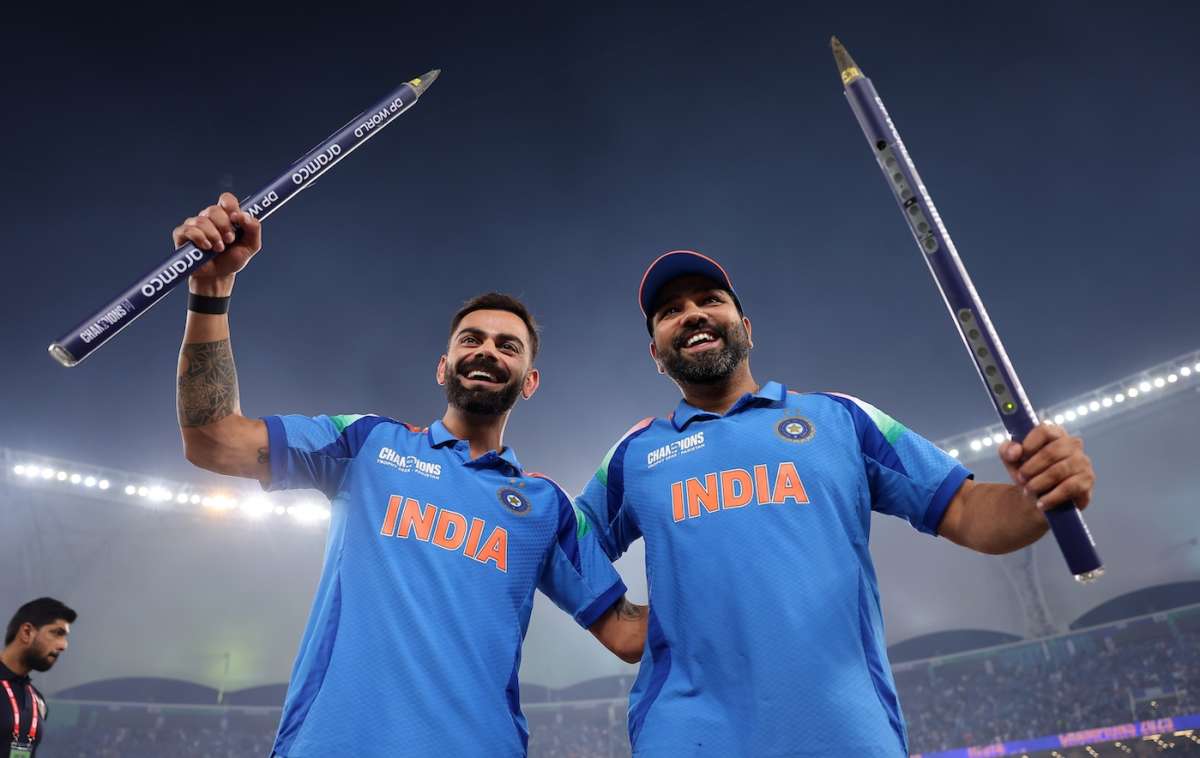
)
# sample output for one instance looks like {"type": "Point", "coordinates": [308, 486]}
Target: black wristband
{"type": "Point", "coordinates": [213, 306]}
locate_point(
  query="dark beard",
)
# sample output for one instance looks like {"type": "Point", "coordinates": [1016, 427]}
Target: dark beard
{"type": "Point", "coordinates": [38, 663]}
{"type": "Point", "coordinates": [709, 367]}
{"type": "Point", "coordinates": [480, 402]}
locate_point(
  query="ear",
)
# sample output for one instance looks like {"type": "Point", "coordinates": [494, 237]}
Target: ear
{"type": "Point", "coordinates": [532, 380]}
{"type": "Point", "coordinates": [27, 632]}
{"type": "Point", "coordinates": [749, 332]}
{"type": "Point", "coordinates": [441, 371]}
{"type": "Point", "coordinates": [654, 357]}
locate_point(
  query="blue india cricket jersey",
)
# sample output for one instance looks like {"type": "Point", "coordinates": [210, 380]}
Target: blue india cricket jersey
{"type": "Point", "coordinates": [414, 639]}
{"type": "Point", "coordinates": [765, 636]}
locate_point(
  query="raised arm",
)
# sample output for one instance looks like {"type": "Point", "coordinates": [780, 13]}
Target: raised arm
{"type": "Point", "coordinates": [216, 436]}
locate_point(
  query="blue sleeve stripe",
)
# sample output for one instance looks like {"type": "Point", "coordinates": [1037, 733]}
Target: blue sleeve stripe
{"type": "Point", "coordinates": [870, 440]}
{"type": "Point", "coordinates": [568, 528]}
{"type": "Point", "coordinates": [352, 438]}
{"type": "Point", "coordinates": [660, 659]}
{"type": "Point", "coordinates": [600, 605]}
{"type": "Point", "coordinates": [276, 450]}
{"type": "Point", "coordinates": [942, 497]}
{"type": "Point", "coordinates": [615, 484]}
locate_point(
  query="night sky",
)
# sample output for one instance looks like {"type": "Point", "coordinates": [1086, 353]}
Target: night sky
{"type": "Point", "coordinates": [562, 149]}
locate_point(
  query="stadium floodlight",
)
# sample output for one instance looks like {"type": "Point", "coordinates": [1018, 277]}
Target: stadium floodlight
{"type": "Point", "coordinates": [998, 438]}
{"type": "Point", "coordinates": [181, 498]}
{"type": "Point", "coordinates": [143, 491]}
{"type": "Point", "coordinates": [196, 499]}
{"type": "Point", "coordinates": [47, 473]}
{"type": "Point", "coordinates": [90, 481]}
{"type": "Point", "coordinates": [76, 478]}
{"type": "Point", "coordinates": [257, 506]}
{"type": "Point", "coordinates": [160, 494]}
{"type": "Point", "coordinates": [102, 484]}
{"type": "Point", "coordinates": [19, 470]}
{"type": "Point", "coordinates": [1123, 395]}
{"type": "Point", "coordinates": [130, 489]}
{"type": "Point", "coordinates": [279, 510]}
{"type": "Point", "coordinates": [954, 453]}
{"type": "Point", "coordinates": [60, 476]}
{"type": "Point", "coordinates": [307, 512]}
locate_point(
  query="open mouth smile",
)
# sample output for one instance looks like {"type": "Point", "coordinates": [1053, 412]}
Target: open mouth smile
{"type": "Point", "coordinates": [700, 341]}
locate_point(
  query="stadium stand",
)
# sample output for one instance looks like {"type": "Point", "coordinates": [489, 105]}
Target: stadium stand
{"type": "Point", "coordinates": [1129, 684]}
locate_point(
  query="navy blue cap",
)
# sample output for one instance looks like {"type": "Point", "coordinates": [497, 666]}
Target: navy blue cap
{"type": "Point", "coordinates": [670, 266]}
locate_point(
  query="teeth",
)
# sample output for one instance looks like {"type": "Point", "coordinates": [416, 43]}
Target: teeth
{"type": "Point", "coordinates": [701, 337]}
{"type": "Point", "coordinates": [481, 375]}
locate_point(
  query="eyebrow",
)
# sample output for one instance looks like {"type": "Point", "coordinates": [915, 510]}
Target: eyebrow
{"type": "Point", "coordinates": [501, 337]}
{"type": "Point", "coordinates": [690, 293]}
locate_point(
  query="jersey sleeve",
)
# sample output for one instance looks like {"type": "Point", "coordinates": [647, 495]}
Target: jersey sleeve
{"type": "Point", "coordinates": [314, 452]}
{"type": "Point", "coordinates": [603, 499]}
{"type": "Point", "coordinates": [908, 475]}
{"type": "Point", "coordinates": [577, 576]}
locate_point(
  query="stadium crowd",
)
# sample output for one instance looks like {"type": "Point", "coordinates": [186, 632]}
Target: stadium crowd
{"type": "Point", "coordinates": [1147, 668]}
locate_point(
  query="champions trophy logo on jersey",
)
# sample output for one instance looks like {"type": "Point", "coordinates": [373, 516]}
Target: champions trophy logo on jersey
{"type": "Point", "coordinates": [795, 429]}
{"type": "Point", "coordinates": [513, 500]}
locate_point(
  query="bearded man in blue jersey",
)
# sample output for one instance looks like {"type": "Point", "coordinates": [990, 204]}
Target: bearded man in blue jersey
{"type": "Point", "coordinates": [437, 539]}
{"type": "Point", "coordinates": [762, 497]}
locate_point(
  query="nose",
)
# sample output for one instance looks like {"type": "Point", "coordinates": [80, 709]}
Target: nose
{"type": "Point", "coordinates": [489, 350]}
{"type": "Point", "coordinates": [693, 315]}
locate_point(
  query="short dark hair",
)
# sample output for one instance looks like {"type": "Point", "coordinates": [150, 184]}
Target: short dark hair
{"type": "Point", "coordinates": [44, 610]}
{"type": "Point", "coordinates": [498, 301]}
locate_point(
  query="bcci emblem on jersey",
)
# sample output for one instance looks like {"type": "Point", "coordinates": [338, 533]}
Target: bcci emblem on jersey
{"type": "Point", "coordinates": [513, 500]}
{"type": "Point", "coordinates": [795, 429]}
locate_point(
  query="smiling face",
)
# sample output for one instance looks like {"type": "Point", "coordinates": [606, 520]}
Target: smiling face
{"type": "Point", "coordinates": [699, 335]}
{"type": "Point", "coordinates": [488, 364]}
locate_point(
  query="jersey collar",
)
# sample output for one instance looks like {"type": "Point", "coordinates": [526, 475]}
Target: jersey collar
{"type": "Point", "coordinates": [440, 436]}
{"type": "Point", "coordinates": [771, 393]}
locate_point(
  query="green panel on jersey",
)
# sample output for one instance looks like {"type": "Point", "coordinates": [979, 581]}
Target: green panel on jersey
{"type": "Point", "coordinates": [341, 422]}
{"type": "Point", "coordinates": [602, 472]}
{"type": "Point", "coordinates": [888, 426]}
{"type": "Point", "coordinates": [583, 526]}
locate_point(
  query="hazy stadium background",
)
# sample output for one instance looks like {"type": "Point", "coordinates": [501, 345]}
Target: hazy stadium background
{"type": "Point", "coordinates": [560, 151]}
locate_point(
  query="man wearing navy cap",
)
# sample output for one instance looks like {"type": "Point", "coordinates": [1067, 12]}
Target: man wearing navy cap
{"type": "Point", "coordinates": [765, 631]}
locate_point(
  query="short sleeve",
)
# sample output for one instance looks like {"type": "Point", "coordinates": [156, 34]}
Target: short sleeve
{"type": "Point", "coordinates": [909, 476]}
{"type": "Point", "coordinates": [603, 499]}
{"type": "Point", "coordinates": [577, 576]}
{"type": "Point", "coordinates": [313, 452]}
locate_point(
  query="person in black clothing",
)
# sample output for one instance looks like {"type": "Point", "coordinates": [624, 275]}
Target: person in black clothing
{"type": "Point", "coordinates": [36, 636]}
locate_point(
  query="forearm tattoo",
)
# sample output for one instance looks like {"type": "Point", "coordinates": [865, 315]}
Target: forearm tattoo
{"type": "Point", "coordinates": [628, 611]}
{"type": "Point", "coordinates": [208, 389]}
